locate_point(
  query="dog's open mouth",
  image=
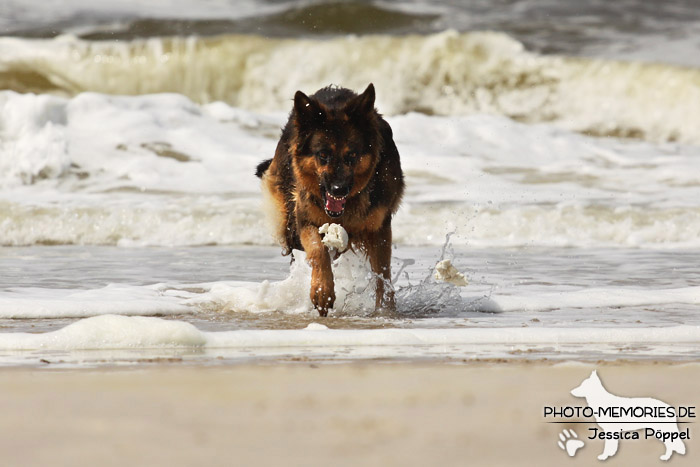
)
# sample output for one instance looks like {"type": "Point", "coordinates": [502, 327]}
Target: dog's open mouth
{"type": "Point", "coordinates": [334, 206]}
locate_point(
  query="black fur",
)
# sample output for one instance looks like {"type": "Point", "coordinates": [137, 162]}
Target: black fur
{"type": "Point", "coordinates": [262, 167]}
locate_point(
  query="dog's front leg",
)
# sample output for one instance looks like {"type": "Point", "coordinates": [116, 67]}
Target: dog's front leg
{"type": "Point", "coordinates": [378, 246]}
{"type": "Point", "coordinates": [609, 450]}
{"type": "Point", "coordinates": [322, 288]}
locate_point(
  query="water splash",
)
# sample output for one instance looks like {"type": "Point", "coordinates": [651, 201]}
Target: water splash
{"type": "Point", "coordinates": [430, 297]}
{"type": "Point", "coordinates": [355, 287]}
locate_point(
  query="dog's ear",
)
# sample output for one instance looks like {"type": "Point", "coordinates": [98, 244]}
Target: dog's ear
{"type": "Point", "coordinates": [307, 109]}
{"type": "Point", "coordinates": [364, 103]}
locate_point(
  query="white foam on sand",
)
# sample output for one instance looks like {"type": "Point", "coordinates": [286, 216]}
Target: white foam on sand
{"type": "Point", "coordinates": [109, 332]}
{"type": "Point", "coordinates": [418, 337]}
{"type": "Point", "coordinates": [123, 332]}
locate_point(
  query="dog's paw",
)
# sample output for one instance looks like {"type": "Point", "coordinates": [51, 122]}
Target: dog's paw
{"type": "Point", "coordinates": [385, 305]}
{"type": "Point", "coordinates": [569, 442]}
{"type": "Point", "coordinates": [322, 296]}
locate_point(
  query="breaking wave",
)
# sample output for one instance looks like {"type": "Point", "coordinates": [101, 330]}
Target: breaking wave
{"type": "Point", "coordinates": [447, 73]}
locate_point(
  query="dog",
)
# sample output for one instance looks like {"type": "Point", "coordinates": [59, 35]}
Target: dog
{"type": "Point", "coordinates": [336, 162]}
{"type": "Point", "coordinates": [597, 398]}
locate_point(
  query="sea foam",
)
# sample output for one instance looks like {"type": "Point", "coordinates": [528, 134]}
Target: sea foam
{"type": "Point", "coordinates": [161, 170]}
{"type": "Point", "coordinates": [109, 332]}
{"type": "Point", "coordinates": [32, 303]}
{"type": "Point", "coordinates": [121, 332]}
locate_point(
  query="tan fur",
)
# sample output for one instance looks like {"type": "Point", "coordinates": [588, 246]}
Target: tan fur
{"type": "Point", "coordinates": [274, 209]}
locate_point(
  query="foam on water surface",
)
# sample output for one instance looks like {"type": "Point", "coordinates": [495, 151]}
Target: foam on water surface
{"type": "Point", "coordinates": [126, 338]}
{"type": "Point", "coordinates": [112, 331]}
{"type": "Point", "coordinates": [166, 171]}
{"type": "Point", "coordinates": [71, 303]}
{"type": "Point", "coordinates": [499, 282]}
{"type": "Point", "coordinates": [506, 308]}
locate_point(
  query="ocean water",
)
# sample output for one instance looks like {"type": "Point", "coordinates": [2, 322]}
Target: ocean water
{"type": "Point", "coordinates": [551, 151]}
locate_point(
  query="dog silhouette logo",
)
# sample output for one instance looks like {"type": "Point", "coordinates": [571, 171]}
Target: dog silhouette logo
{"type": "Point", "coordinates": [618, 416]}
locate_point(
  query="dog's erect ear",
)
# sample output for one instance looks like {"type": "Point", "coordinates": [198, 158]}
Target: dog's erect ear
{"type": "Point", "coordinates": [307, 109]}
{"type": "Point", "coordinates": [364, 103]}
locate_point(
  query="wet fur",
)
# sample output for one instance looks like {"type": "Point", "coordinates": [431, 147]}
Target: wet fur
{"type": "Point", "coordinates": [335, 139]}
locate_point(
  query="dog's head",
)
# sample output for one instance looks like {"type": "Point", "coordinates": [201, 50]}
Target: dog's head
{"type": "Point", "coordinates": [335, 144]}
{"type": "Point", "coordinates": [588, 386]}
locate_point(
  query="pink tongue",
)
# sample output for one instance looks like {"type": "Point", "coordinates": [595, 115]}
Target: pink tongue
{"type": "Point", "coordinates": [333, 205]}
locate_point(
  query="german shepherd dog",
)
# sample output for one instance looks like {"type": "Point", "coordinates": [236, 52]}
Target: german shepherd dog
{"type": "Point", "coordinates": [336, 162]}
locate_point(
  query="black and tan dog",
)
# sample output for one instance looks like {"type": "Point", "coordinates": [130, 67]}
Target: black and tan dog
{"type": "Point", "coordinates": [336, 162]}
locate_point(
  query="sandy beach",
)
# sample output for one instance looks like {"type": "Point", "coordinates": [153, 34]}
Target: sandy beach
{"type": "Point", "coordinates": [485, 413]}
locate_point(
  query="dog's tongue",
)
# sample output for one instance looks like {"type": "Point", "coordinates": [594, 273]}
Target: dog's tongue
{"type": "Point", "coordinates": [334, 205]}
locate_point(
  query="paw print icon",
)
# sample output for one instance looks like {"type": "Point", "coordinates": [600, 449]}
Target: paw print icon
{"type": "Point", "coordinates": [569, 442]}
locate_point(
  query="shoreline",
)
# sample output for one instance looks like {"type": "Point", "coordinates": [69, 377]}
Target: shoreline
{"type": "Point", "coordinates": [488, 412]}
{"type": "Point", "coordinates": [146, 359]}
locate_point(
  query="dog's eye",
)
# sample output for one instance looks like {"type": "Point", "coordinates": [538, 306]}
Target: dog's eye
{"type": "Point", "coordinates": [351, 158]}
{"type": "Point", "coordinates": [322, 157]}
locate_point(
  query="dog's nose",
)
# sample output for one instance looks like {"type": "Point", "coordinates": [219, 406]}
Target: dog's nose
{"type": "Point", "coordinates": [339, 191]}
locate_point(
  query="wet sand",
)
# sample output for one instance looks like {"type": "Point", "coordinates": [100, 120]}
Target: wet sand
{"type": "Point", "coordinates": [383, 414]}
